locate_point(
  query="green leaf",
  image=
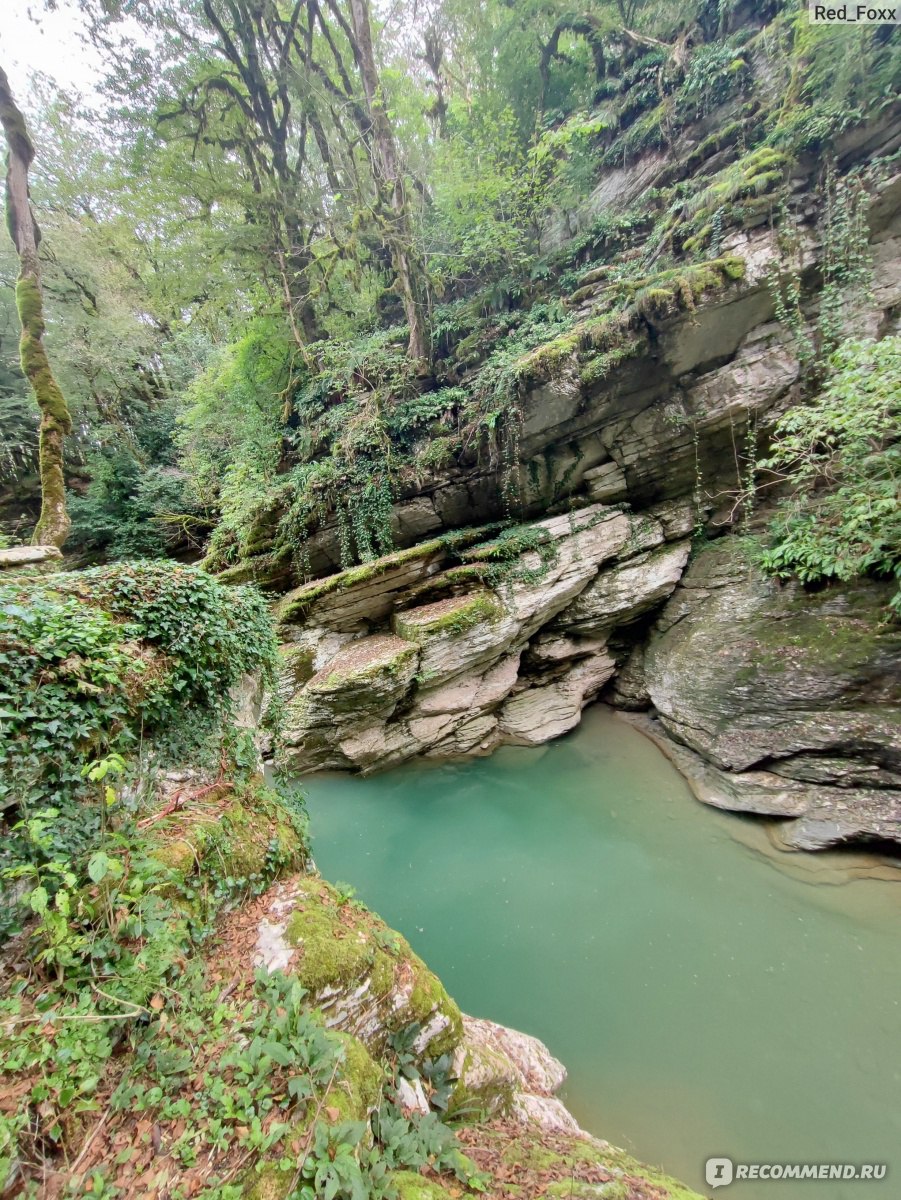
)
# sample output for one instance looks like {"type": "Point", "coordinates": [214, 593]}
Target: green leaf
{"type": "Point", "coordinates": [278, 1053]}
{"type": "Point", "coordinates": [99, 866]}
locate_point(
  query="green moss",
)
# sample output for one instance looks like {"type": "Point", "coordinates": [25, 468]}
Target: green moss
{"type": "Point", "coordinates": [262, 569]}
{"type": "Point", "coordinates": [35, 363]}
{"type": "Point", "coordinates": [243, 842]}
{"type": "Point", "coordinates": [568, 1154]}
{"type": "Point", "coordinates": [410, 1186]}
{"type": "Point", "coordinates": [341, 944]}
{"type": "Point", "coordinates": [494, 1099]}
{"type": "Point", "coordinates": [351, 669]}
{"type": "Point", "coordinates": [331, 954]}
{"type": "Point", "coordinates": [428, 997]}
{"type": "Point", "coordinates": [451, 617]}
{"type": "Point", "coordinates": [361, 1079]}
{"type": "Point", "coordinates": [382, 975]}
{"type": "Point", "coordinates": [294, 607]}
{"type": "Point", "coordinates": [682, 287]}
{"type": "Point", "coordinates": [271, 1183]}
{"type": "Point", "coordinates": [179, 856]}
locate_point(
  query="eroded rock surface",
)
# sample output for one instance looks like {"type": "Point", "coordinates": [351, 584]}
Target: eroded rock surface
{"type": "Point", "coordinates": [787, 700]}
{"type": "Point", "coordinates": [499, 650]}
{"type": "Point", "coordinates": [368, 984]}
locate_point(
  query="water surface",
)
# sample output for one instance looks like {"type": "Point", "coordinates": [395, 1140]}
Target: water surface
{"type": "Point", "coordinates": [708, 994]}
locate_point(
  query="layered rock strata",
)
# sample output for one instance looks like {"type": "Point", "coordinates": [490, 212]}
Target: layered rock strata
{"type": "Point", "coordinates": [782, 701]}
{"type": "Point", "coordinates": [508, 645]}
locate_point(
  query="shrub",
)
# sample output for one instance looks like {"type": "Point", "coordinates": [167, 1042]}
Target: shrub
{"type": "Point", "coordinates": [842, 455]}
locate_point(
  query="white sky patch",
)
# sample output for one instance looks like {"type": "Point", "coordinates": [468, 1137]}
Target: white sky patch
{"type": "Point", "coordinates": [36, 42]}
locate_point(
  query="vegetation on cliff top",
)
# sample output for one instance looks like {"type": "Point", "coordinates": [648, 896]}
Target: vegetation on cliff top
{"type": "Point", "coordinates": [840, 455]}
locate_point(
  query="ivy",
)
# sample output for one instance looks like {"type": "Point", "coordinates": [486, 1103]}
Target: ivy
{"type": "Point", "coordinates": [101, 661]}
{"type": "Point", "coordinates": [841, 456]}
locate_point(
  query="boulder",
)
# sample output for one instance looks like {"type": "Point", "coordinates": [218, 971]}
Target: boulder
{"type": "Point", "coordinates": [504, 1072]}
{"type": "Point", "coordinates": [790, 697]}
{"type": "Point", "coordinates": [457, 634]}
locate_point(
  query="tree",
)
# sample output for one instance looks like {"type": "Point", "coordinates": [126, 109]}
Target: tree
{"type": "Point", "coordinates": [411, 279]}
{"type": "Point", "coordinates": [53, 525]}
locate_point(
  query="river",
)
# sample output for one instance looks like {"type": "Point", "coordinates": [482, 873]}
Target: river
{"type": "Point", "coordinates": [709, 994]}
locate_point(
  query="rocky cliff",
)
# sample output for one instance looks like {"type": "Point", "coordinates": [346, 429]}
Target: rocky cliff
{"type": "Point", "coordinates": [781, 701]}
{"type": "Point", "coordinates": [784, 701]}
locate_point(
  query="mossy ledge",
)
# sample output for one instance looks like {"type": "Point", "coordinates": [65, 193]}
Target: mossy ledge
{"type": "Point", "coordinates": [295, 606]}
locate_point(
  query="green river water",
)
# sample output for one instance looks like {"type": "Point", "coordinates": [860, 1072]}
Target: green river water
{"type": "Point", "coordinates": [708, 994]}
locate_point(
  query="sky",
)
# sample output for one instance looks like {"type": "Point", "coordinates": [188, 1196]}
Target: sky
{"type": "Point", "coordinates": [32, 38]}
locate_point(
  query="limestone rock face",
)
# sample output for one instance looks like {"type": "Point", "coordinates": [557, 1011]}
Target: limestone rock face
{"type": "Point", "coordinates": [786, 698]}
{"type": "Point", "coordinates": [508, 1073]}
{"type": "Point", "coordinates": [624, 593]}
{"type": "Point", "coordinates": [790, 698]}
{"type": "Point", "coordinates": [542, 713]}
{"type": "Point", "coordinates": [494, 659]}
{"type": "Point", "coordinates": [362, 683]}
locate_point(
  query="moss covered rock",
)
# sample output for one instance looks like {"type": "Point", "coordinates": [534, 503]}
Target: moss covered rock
{"type": "Point", "coordinates": [411, 1186]}
{"type": "Point", "coordinates": [533, 1163]}
{"type": "Point", "coordinates": [456, 634]}
{"type": "Point", "coordinates": [361, 685]}
{"type": "Point", "coordinates": [362, 975]}
{"type": "Point", "coordinates": [790, 695]}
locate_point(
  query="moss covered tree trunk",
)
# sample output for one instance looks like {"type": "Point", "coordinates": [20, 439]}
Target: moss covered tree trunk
{"type": "Point", "coordinates": [53, 525]}
{"type": "Point", "coordinates": [411, 274]}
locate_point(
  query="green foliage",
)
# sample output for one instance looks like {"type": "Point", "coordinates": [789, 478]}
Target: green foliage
{"type": "Point", "coordinates": [133, 512]}
{"type": "Point", "coordinates": [487, 202]}
{"type": "Point", "coordinates": [112, 926]}
{"type": "Point", "coordinates": [841, 456]}
{"type": "Point", "coordinates": [95, 662]}
{"type": "Point", "coordinates": [715, 72]}
{"type": "Point", "coordinates": [835, 77]}
{"type": "Point", "coordinates": [237, 292]}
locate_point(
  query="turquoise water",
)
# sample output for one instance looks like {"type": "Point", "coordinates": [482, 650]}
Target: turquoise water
{"type": "Point", "coordinates": [709, 995]}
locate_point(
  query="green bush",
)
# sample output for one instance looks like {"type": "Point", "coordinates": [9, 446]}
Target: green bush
{"type": "Point", "coordinates": [97, 661]}
{"type": "Point", "coordinates": [841, 454]}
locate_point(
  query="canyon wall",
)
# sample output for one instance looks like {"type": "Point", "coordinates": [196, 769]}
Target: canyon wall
{"type": "Point", "coordinates": [779, 701]}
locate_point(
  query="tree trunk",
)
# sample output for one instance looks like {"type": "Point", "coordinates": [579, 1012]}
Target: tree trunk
{"type": "Point", "coordinates": [53, 526]}
{"type": "Point", "coordinates": [411, 276]}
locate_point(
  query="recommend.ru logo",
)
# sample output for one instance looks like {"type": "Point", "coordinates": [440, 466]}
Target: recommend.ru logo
{"type": "Point", "coordinates": [722, 1171]}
